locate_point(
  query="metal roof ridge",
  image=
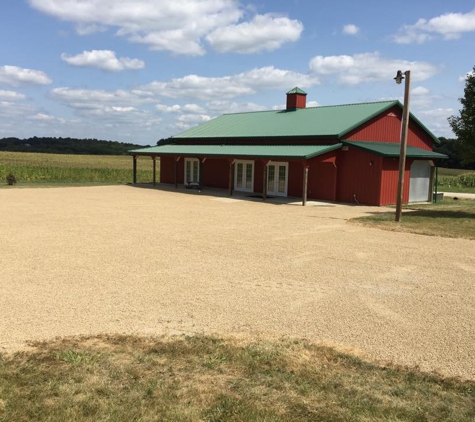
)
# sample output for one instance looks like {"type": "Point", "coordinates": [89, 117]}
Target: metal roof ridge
{"type": "Point", "coordinates": [312, 108]}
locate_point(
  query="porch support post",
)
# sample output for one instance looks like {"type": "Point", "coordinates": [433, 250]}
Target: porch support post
{"type": "Point", "coordinates": [154, 159]}
{"type": "Point", "coordinates": [431, 182]}
{"type": "Point", "coordinates": [200, 181]}
{"type": "Point", "coordinates": [305, 184]}
{"type": "Point", "coordinates": [134, 170]}
{"type": "Point", "coordinates": [176, 171]}
{"type": "Point", "coordinates": [264, 179]}
{"type": "Point", "coordinates": [231, 172]}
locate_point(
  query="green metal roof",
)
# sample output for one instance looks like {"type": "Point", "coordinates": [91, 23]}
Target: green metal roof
{"type": "Point", "coordinates": [314, 122]}
{"type": "Point", "coordinates": [297, 90]}
{"type": "Point", "coordinates": [273, 151]}
{"type": "Point", "coordinates": [392, 150]}
{"type": "Point", "coordinates": [329, 121]}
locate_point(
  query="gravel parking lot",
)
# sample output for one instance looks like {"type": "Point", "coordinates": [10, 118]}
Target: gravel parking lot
{"type": "Point", "coordinates": [123, 259]}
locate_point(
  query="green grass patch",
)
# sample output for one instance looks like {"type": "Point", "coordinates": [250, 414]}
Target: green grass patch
{"type": "Point", "coordinates": [36, 168]}
{"type": "Point", "coordinates": [448, 218]}
{"type": "Point", "coordinates": [201, 378]}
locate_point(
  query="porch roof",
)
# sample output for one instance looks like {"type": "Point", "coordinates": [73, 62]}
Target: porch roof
{"type": "Point", "coordinates": [239, 151]}
{"type": "Point", "coordinates": [387, 149]}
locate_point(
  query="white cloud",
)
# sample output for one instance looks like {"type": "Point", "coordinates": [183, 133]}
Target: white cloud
{"type": "Point", "coordinates": [104, 60]}
{"type": "Point", "coordinates": [176, 26]}
{"type": "Point", "coordinates": [449, 26]}
{"type": "Point", "coordinates": [13, 75]}
{"type": "Point", "coordinates": [420, 90]}
{"type": "Point", "coordinates": [312, 104]}
{"type": "Point", "coordinates": [436, 120]}
{"type": "Point", "coordinates": [161, 24]}
{"type": "Point", "coordinates": [263, 33]}
{"type": "Point", "coordinates": [368, 67]}
{"type": "Point", "coordinates": [246, 83]}
{"type": "Point", "coordinates": [351, 29]}
{"type": "Point", "coordinates": [186, 121]}
{"type": "Point", "coordinates": [11, 96]}
{"type": "Point", "coordinates": [193, 108]}
{"type": "Point", "coordinates": [168, 109]}
{"type": "Point", "coordinates": [218, 107]}
{"type": "Point", "coordinates": [89, 98]}
{"type": "Point", "coordinates": [88, 29]}
{"type": "Point", "coordinates": [437, 113]}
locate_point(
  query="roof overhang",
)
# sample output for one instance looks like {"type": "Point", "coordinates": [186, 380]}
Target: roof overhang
{"type": "Point", "coordinates": [387, 149]}
{"type": "Point", "coordinates": [295, 152]}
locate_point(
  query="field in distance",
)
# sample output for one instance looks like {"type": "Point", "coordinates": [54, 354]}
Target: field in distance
{"type": "Point", "coordinates": [38, 168]}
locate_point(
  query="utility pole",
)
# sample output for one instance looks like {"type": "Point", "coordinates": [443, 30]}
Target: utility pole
{"type": "Point", "coordinates": [404, 128]}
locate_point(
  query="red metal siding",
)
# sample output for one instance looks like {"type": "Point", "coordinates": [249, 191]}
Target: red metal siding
{"type": "Point", "coordinates": [389, 181]}
{"type": "Point", "coordinates": [387, 128]}
{"type": "Point", "coordinates": [322, 176]}
{"type": "Point", "coordinates": [216, 173]}
{"type": "Point", "coordinates": [359, 177]}
{"type": "Point", "coordinates": [296, 101]}
{"type": "Point", "coordinates": [295, 180]}
{"type": "Point", "coordinates": [167, 170]}
{"type": "Point", "coordinates": [258, 174]}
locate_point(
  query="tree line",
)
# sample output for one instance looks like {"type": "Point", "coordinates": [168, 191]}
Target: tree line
{"type": "Point", "coordinates": [67, 146]}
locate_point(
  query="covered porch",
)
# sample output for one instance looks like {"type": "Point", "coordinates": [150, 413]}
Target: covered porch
{"type": "Point", "coordinates": [268, 170]}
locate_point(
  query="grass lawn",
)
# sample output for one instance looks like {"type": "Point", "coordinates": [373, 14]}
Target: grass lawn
{"type": "Point", "coordinates": [34, 169]}
{"type": "Point", "coordinates": [201, 378]}
{"type": "Point", "coordinates": [449, 218]}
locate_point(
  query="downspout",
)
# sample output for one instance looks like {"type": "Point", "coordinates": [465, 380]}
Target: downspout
{"type": "Point", "coordinates": [436, 182]}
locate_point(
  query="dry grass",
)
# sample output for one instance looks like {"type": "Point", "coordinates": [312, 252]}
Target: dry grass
{"type": "Point", "coordinates": [447, 218]}
{"type": "Point", "coordinates": [202, 378]}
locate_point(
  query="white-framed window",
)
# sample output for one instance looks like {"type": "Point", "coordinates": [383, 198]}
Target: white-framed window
{"type": "Point", "coordinates": [192, 171]}
{"type": "Point", "coordinates": [277, 178]}
{"type": "Point", "coordinates": [244, 175]}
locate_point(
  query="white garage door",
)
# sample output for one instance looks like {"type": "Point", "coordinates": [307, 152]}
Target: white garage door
{"type": "Point", "coordinates": [420, 181]}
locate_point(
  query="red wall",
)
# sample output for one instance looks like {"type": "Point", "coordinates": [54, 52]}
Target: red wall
{"type": "Point", "coordinates": [296, 101]}
{"type": "Point", "coordinates": [216, 173]}
{"type": "Point", "coordinates": [167, 169]}
{"type": "Point", "coordinates": [322, 177]}
{"type": "Point", "coordinates": [389, 181]}
{"type": "Point", "coordinates": [357, 177]}
{"type": "Point", "coordinates": [387, 128]}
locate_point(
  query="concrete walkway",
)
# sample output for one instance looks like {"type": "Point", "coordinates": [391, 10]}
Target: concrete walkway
{"type": "Point", "coordinates": [459, 195]}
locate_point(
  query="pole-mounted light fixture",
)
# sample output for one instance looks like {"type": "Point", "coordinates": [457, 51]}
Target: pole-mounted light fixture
{"type": "Point", "coordinates": [404, 128]}
{"type": "Point", "coordinates": [399, 77]}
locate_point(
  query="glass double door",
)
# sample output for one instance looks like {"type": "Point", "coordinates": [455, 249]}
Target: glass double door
{"type": "Point", "coordinates": [277, 178]}
{"type": "Point", "coordinates": [192, 171]}
{"type": "Point", "coordinates": [244, 176]}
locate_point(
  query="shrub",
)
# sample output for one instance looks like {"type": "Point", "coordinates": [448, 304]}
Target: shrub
{"type": "Point", "coordinates": [11, 179]}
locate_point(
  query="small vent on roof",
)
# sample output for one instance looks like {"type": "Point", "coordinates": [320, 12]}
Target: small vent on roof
{"type": "Point", "coordinates": [296, 98]}
{"type": "Point", "coordinates": [391, 114]}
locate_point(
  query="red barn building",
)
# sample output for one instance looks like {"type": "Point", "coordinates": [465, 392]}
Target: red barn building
{"type": "Point", "coordinates": [344, 153]}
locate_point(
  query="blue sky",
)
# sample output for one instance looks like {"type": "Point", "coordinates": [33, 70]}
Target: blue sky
{"type": "Point", "coordinates": [141, 70]}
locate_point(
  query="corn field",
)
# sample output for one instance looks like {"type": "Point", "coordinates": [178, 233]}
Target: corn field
{"type": "Point", "coordinates": [62, 168]}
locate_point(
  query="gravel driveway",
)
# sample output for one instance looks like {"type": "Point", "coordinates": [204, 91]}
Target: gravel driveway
{"type": "Point", "coordinates": [129, 260]}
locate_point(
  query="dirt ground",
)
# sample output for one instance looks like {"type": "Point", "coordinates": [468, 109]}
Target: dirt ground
{"type": "Point", "coordinates": [124, 259]}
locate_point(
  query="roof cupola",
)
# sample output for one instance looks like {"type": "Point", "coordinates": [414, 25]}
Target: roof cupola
{"type": "Point", "coordinates": [296, 98]}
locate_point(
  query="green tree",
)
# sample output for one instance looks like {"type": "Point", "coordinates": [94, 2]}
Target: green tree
{"type": "Point", "coordinates": [464, 125]}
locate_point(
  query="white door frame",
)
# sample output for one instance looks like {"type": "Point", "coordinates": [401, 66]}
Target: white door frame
{"type": "Point", "coordinates": [243, 180]}
{"type": "Point", "coordinates": [275, 190]}
{"type": "Point", "coordinates": [191, 161]}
